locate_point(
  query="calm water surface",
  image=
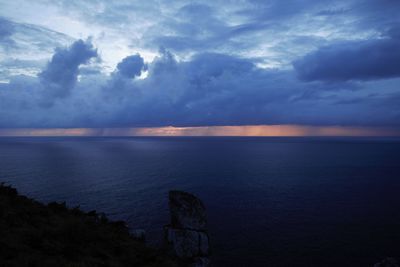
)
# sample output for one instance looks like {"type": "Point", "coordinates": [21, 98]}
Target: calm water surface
{"type": "Point", "coordinates": [270, 201]}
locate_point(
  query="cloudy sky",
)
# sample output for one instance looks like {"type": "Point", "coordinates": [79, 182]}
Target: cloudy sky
{"type": "Point", "coordinates": [104, 64]}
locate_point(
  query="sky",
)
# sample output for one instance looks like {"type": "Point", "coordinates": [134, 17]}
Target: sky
{"type": "Point", "coordinates": [196, 67]}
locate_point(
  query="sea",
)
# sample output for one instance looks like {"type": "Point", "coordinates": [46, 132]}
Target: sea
{"type": "Point", "coordinates": [298, 201]}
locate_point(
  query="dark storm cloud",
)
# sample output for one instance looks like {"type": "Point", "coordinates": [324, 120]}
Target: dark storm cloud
{"type": "Point", "coordinates": [61, 73]}
{"type": "Point", "coordinates": [131, 66]}
{"type": "Point", "coordinates": [209, 89]}
{"type": "Point", "coordinates": [357, 60]}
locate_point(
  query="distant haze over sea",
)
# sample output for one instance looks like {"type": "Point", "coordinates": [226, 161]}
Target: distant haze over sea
{"type": "Point", "coordinates": [246, 130]}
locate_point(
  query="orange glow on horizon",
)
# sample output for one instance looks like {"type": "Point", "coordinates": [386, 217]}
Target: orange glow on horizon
{"type": "Point", "coordinates": [249, 130]}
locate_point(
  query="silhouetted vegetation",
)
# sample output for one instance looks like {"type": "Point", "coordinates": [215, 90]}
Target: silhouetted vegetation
{"type": "Point", "coordinates": [34, 234]}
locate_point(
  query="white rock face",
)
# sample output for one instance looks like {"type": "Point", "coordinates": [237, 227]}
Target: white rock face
{"type": "Point", "coordinates": [187, 235]}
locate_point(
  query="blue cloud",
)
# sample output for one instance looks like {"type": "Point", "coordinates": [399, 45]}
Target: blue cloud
{"type": "Point", "coordinates": [208, 89]}
{"type": "Point", "coordinates": [209, 65]}
{"type": "Point", "coordinates": [357, 60]}
{"type": "Point", "coordinates": [25, 37]}
{"type": "Point", "coordinates": [217, 89]}
{"type": "Point", "coordinates": [6, 31]}
{"type": "Point", "coordinates": [61, 73]}
{"type": "Point", "coordinates": [225, 63]}
{"type": "Point", "coordinates": [131, 66]}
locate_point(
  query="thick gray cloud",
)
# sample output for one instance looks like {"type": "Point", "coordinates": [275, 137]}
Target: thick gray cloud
{"type": "Point", "coordinates": [61, 73]}
{"type": "Point", "coordinates": [131, 66]}
{"type": "Point", "coordinates": [361, 60]}
{"type": "Point", "coordinates": [208, 89]}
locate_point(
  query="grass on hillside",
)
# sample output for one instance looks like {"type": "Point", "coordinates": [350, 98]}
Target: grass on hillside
{"type": "Point", "coordinates": [34, 234]}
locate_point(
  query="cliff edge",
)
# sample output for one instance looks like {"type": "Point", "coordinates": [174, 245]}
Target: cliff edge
{"type": "Point", "coordinates": [34, 234]}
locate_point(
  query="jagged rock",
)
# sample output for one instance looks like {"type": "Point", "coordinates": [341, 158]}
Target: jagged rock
{"type": "Point", "coordinates": [187, 211]}
{"type": "Point", "coordinates": [187, 235]}
{"type": "Point", "coordinates": [388, 262]}
{"type": "Point", "coordinates": [139, 234]}
{"type": "Point", "coordinates": [187, 243]}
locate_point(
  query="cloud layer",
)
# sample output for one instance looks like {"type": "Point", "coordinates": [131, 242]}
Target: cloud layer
{"type": "Point", "coordinates": [361, 60]}
{"type": "Point", "coordinates": [61, 73]}
{"type": "Point", "coordinates": [209, 89]}
{"type": "Point", "coordinates": [149, 64]}
{"type": "Point", "coordinates": [131, 66]}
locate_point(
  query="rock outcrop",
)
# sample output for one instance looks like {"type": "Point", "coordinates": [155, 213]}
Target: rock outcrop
{"type": "Point", "coordinates": [187, 236]}
{"type": "Point", "coordinates": [139, 235]}
{"type": "Point", "coordinates": [388, 262]}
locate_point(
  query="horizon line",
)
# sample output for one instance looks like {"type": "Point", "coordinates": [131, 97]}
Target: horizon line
{"type": "Point", "coordinates": [282, 130]}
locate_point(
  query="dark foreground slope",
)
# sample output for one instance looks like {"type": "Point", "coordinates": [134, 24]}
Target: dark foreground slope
{"type": "Point", "coordinates": [33, 234]}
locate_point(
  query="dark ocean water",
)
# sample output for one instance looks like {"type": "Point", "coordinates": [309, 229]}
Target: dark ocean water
{"type": "Point", "coordinates": [270, 201]}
